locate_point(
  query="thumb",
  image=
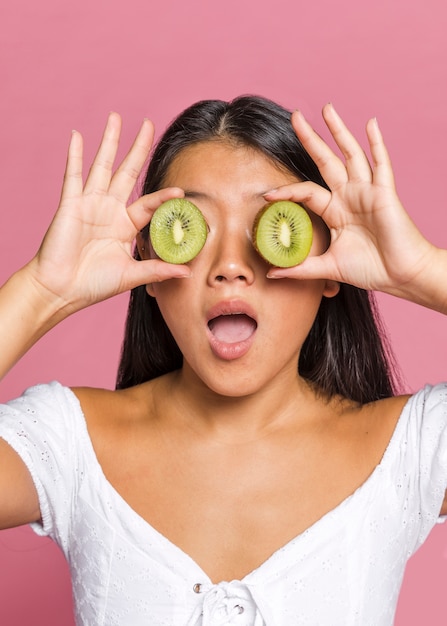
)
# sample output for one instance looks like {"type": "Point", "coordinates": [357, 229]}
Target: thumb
{"type": "Point", "coordinates": [313, 268]}
{"type": "Point", "coordinates": [155, 271]}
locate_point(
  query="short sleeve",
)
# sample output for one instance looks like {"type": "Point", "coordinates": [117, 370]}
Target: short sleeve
{"type": "Point", "coordinates": [42, 427]}
{"type": "Point", "coordinates": [425, 450]}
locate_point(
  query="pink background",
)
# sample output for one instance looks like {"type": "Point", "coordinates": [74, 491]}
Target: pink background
{"type": "Point", "coordinates": [66, 65]}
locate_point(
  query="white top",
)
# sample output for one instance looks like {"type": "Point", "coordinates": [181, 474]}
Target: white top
{"type": "Point", "coordinates": [345, 570]}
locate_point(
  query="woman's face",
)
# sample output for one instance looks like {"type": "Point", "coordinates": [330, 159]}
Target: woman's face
{"type": "Point", "coordinates": [237, 329]}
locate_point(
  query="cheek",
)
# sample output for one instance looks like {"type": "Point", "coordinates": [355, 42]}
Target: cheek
{"type": "Point", "coordinates": [166, 294]}
{"type": "Point", "coordinates": [173, 299]}
{"type": "Point", "coordinates": [298, 305]}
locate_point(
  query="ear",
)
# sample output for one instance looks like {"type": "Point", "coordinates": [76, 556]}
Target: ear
{"type": "Point", "coordinates": [331, 288]}
{"type": "Point", "coordinates": [144, 252]}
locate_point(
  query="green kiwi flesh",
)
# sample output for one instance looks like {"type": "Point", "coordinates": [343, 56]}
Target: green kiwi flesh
{"type": "Point", "coordinates": [282, 233]}
{"type": "Point", "coordinates": [177, 231]}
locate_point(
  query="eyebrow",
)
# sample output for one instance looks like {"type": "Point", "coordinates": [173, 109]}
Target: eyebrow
{"type": "Point", "coordinates": [190, 193]}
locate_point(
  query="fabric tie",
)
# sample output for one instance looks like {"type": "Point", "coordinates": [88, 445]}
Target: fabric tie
{"type": "Point", "coordinates": [225, 604]}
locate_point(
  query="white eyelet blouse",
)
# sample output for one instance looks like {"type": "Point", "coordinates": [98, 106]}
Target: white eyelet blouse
{"type": "Point", "coordinates": [345, 570]}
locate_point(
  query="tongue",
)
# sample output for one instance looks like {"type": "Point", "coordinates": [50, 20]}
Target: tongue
{"type": "Point", "coordinates": [232, 328]}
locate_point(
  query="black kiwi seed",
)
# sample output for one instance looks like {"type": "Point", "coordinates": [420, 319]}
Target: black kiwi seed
{"type": "Point", "coordinates": [177, 231]}
{"type": "Point", "coordinates": [282, 233]}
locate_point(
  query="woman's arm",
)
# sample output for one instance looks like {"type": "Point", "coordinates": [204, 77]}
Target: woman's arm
{"type": "Point", "coordinates": [86, 255]}
{"type": "Point", "coordinates": [374, 243]}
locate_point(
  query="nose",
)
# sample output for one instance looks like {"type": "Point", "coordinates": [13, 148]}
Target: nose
{"type": "Point", "coordinates": [234, 258]}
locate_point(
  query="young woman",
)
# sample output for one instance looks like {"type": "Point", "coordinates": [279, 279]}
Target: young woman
{"type": "Point", "coordinates": [254, 466]}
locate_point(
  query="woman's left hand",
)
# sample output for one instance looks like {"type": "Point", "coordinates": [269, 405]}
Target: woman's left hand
{"type": "Point", "coordinates": [374, 243]}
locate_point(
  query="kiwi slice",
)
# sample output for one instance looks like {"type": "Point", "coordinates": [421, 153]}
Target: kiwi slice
{"type": "Point", "coordinates": [177, 231]}
{"type": "Point", "coordinates": [282, 233]}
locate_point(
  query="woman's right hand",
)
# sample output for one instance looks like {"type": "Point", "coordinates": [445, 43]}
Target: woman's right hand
{"type": "Point", "coordinates": [86, 255]}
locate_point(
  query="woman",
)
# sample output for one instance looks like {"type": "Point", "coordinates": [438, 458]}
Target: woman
{"type": "Point", "coordinates": [254, 466]}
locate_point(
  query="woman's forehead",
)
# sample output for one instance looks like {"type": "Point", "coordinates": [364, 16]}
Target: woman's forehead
{"type": "Point", "coordinates": [224, 160]}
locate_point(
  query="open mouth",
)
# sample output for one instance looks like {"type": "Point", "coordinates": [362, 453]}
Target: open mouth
{"type": "Point", "coordinates": [233, 328]}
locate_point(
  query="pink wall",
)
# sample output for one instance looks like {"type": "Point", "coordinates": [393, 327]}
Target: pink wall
{"type": "Point", "coordinates": [65, 65]}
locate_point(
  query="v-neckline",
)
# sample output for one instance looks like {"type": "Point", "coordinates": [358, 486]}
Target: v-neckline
{"type": "Point", "coordinates": [251, 577]}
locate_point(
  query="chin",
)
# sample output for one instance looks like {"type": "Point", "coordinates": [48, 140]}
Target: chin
{"type": "Point", "coordinates": [233, 386]}
{"type": "Point", "coordinates": [233, 393]}
{"type": "Point", "coordinates": [234, 379]}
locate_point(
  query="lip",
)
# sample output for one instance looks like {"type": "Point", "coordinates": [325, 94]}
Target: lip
{"type": "Point", "coordinates": [230, 351]}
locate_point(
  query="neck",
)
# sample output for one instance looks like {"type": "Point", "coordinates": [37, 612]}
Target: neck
{"type": "Point", "coordinates": [250, 415]}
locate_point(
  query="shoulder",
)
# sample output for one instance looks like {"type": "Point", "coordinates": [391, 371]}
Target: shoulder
{"type": "Point", "coordinates": [419, 443]}
{"type": "Point", "coordinates": [386, 413]}
{"type": "Point", "coordinates": [374, 423]}
{"type": "Point", "coordinates": [430, 398]}
{"type": "Point", "coordinates": [115, 406]}
{"type": "Point", "coordinates": [421, 412]}
{"type": "Point", "coordinates": [412, 417]}
{"type": "Point", "coordinates": [114, 416]}
{"type": "Point", "coordinates": [52, 394]}
{"type": "Point", "coordinates": [42, 409]}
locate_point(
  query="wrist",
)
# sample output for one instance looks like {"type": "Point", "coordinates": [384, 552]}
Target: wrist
{"type": "Point", "coordinates": [38, 308]}
{"type": "Point", "coordinates": [428, 287]}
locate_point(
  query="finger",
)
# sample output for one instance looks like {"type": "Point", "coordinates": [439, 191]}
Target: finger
{"type": "Point", "coordinates": [154, 271]}
{"type": "Point", "coordinates": [101, 170]}
{"type": "Point", "coordinates": [313, 268]}
{"type": "Point", "coordinates": [72, 186]}
{"type": "Point", "coordinates": [356, 161]}
{"type": "Point", "coordinates": [141, 211]}
{"type": "Point", "coordinates": [311, 195]}
{"type": "Point", "coordinates": [127, 174]}
{"type": "Point", "coordinates": [383, 170]}
{"type": "Point", "coordinates": [330, 166]}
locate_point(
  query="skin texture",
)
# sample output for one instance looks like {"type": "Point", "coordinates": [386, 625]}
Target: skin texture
{"type": "Point", "coordinates": [215, 454]}
{"type": "Point", "coordinates": [229, 492]}
{"type": "Point", "coordinates": [228, 270]}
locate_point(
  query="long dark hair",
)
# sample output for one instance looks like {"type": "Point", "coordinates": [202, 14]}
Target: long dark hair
{"type": "Point", "coordinates": [346, 351]}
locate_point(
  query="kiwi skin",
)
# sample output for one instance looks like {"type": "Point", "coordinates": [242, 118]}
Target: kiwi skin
{"type": "Point", "coordinates": [179, 219]}
{"type": "Point", "coordinates": [298, 228]}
